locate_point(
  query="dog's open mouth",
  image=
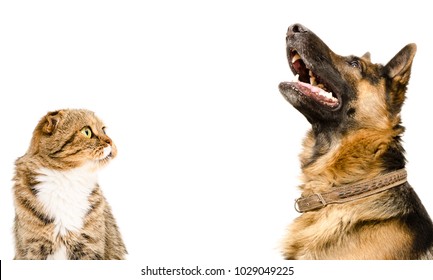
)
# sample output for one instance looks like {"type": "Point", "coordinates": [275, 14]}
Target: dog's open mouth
{"type": "Point", "coordinates": [310, 84]}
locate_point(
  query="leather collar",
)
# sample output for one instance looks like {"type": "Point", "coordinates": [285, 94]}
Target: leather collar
{"type": "Point", "coordinates": [351, 192]}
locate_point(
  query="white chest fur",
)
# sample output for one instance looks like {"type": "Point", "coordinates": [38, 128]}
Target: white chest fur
{"type": "Point", "coordinates": [64, 195]}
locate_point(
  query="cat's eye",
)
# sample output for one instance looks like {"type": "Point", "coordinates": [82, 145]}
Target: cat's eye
{"type": "Point", "coordinates": [86, 131]}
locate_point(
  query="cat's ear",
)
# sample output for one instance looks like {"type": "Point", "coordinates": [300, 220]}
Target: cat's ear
{"type": "Point", "coordinates": [52, 119]}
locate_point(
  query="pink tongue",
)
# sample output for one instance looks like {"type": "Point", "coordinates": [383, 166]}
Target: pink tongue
{"type": "Point", "coordinates": [316, 92]}
{"type": "Point", "coordinates": [309, 87]}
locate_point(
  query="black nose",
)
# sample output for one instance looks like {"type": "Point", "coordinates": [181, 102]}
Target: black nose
{"type": "Point", "coordinates": [296, 28]}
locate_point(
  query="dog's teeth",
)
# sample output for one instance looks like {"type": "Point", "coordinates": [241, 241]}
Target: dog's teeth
{"type": "Point", "coordinates": [296, 78]}
{"type": "Point", "coordinates": [295, 58]}
{"type": "Point", "coordinates": [328, 95]}
{"type": "Point", "coordinates": [311, 73]}
{"type": "Point", "coordinates": [312, 80]}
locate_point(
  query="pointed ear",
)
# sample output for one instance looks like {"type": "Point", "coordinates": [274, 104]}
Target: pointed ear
{"type": "Point", "coordinates": [397, 72]}
{"type": "Point", "coordinates": [398, 68]}
{"type": "Point", "coordinates": [367, 56]}
{"type": "Point", "coordinates": [51, 120]}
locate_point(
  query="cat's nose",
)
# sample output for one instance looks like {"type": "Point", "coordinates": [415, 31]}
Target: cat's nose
{"type": "Point", "coordinates": [108, 141]}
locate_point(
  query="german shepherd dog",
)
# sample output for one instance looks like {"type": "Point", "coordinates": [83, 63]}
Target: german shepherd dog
{"type": "Point", "coordinates": [356, 202]}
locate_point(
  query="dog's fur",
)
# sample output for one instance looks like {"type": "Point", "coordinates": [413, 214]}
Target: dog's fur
{"type": "Point", "coordinates": [355, 135]}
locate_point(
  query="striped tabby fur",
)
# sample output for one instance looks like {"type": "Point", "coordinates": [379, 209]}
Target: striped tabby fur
{"type": "Point", "coordinates": [60, 211]}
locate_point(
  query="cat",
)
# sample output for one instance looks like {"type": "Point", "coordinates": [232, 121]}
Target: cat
{"type": "Point", "coordinates": [60, 211]}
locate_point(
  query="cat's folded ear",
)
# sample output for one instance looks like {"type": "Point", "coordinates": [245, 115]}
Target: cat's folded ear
{"type": "Point", "coordinates": [51, 121]}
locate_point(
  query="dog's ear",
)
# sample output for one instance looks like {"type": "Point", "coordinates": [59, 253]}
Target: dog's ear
{"type": "Point", "coordinates": [367, 56]}
{"type": "Point", "coordinates": [397, 72]}
{"type": "Point", "coordinates": [398, 68]}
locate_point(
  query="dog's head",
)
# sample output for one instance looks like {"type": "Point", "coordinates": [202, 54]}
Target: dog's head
{"type": "Point", "coordinates": [337, 92]}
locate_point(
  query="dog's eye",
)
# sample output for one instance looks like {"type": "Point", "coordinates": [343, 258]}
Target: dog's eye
{"type": "Point", "coordinates": [355, 64]}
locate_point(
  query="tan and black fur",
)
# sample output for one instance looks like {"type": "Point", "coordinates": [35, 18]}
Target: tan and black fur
{"type": "Point", "coordinates": [64, 142]}
{"type": "Point", "coordinates": [355, 135]}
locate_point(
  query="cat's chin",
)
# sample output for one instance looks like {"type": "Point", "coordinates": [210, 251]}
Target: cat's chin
{"type": "Point", "coordinates": [94, 165]}
{"type": "Point", "coordinates": [105, 158]}
{"type": "Point", "coordinates": [104, 161]}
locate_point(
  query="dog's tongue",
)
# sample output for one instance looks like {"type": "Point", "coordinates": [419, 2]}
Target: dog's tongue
{"type": "Point", "coordinates": [313, 90]}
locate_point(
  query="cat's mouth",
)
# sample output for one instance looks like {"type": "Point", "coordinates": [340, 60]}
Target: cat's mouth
{"type": "Point", "coordinates": [104, 161]}
{"type": "Point", "coordinates": [107, 155]}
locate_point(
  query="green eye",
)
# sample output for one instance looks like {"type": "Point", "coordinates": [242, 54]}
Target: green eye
{"type": "Point", "coordinates": [86, 131]}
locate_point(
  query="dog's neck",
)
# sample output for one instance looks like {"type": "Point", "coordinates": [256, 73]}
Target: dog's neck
{"type": "Point", "coordinates": [329, 160]}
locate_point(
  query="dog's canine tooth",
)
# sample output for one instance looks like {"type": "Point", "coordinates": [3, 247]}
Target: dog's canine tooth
{"type": "Point", "coordinates": [312, 80]}
{"type": "Point", "coordinates": [296, 78]}
{"type": "Point", "coordinates": [295, 58]}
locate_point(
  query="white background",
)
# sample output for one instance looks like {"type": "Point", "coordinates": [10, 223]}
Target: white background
{"type": "Point", "coordinates": [208, 166]}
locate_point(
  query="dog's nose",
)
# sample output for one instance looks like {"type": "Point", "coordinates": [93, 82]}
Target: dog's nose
{"type": "Point", "coordinates": [296, 28]}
